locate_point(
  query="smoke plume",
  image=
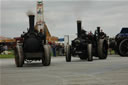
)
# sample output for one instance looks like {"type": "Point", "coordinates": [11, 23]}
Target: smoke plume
{"type": "Point", "coordinates": [29, 13]}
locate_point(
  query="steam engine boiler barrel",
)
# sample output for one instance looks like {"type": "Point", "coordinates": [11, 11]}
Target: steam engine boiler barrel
{"type": "Point", "coordinates": [31, 22]}
{"type": "Point", "coordinates": [31, 42]}
{"type": "Point", "coordinates": [78, 28]}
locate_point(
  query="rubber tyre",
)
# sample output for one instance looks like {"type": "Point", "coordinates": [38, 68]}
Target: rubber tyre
{"type": "Point", "coordinates": [68, 53]}
{"type": "Point", "coordinates": [124, 44]}
{"type": "Point", "coordinates": [46, 59]}
{"type": "Point", "coordinates": [89, 51]}
{"type": "Point", "coordinates": [102, 49]}
{"type": "Point", "coordinates": [19, 57]}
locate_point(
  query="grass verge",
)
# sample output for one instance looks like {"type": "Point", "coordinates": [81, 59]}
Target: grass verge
{"type": "Point", "coordinates": [10, 55]}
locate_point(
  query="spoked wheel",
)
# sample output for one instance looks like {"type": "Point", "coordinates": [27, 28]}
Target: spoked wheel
{"type": "Point", "coordinates": [46, 59]}
{"type": "Point", "coordinates": [89, 52]}
{"type": "Point", "coordinates": [68, 53]}
{"type": "Point", "coordinates": [19, 57]}
{"type": "Point", "coordinates": [123, 48]}
{"type": "Point", "coordinates": [102, 49]}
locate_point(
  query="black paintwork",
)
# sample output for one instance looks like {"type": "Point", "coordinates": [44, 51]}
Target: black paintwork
{"type": "Point", "coordinates": [79, 44]}
{"type": "Point", "coordinates": [121, 37]}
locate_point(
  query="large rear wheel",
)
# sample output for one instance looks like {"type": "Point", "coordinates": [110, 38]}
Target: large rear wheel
{"type": "Point", "coordinates": [89, 51]}
{"type": "Point", "coordinates": [46, 59]}
{"type": "Point", "coordinates": [19, 56]}
{"type": "Point", "coordinates": [123, 48]}
{"type": "Point", "coordinates": [102, 49]}
{"type": "Point", "coordinates": [68, 53]}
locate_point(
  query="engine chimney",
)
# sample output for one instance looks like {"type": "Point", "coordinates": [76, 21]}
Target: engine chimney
{"type": "Point", "coordinates": [78, 28]}
{"type": "Point", "coordinates": [98, 30]}
{"type": "Point", "coordinates": [31, 22]}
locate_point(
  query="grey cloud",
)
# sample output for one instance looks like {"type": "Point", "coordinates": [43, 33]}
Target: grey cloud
{"type": "Point", "coordinates": [61, 16]}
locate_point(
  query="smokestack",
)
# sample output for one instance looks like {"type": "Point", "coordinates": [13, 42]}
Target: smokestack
{"type": "Point", "coordinates": [31, 22]}
{"type": "Point", "coordinates": [78, 28]}
{"type": "Point", "coordinates": [98, 30]}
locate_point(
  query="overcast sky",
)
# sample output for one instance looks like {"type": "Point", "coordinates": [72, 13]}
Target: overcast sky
{"type": "Point", "coordinates": [61, 16]}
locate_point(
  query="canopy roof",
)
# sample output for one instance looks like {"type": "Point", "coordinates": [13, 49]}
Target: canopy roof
{"type": "Point", "coordinates": [6, 39]}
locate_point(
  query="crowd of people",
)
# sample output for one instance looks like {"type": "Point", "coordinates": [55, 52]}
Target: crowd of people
{"type": "Point", "coordinates": [3, 47]}
{"type": "Point", "coordinates": [57, 49]}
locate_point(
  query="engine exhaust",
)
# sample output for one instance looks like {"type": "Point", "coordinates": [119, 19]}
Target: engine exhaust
{"type": "Point", "coordinates": [31, 22]}
{"type": "Point", "coordinates": [78, 28]}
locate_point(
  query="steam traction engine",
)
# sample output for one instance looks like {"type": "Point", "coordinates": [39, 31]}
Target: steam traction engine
{"type": "Point", "coordinates": [32, 46]}
{"type": "Point", "coordinates": [88, 45]}
{"type": "Point", "coordinates": [122, 42]}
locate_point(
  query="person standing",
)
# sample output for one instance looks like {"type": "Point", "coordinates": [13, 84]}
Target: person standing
{"type": "Point", "coordinates": [54, 49]}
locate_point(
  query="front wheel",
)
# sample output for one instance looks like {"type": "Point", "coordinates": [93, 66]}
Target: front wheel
{"type": "Point", "coordinates": [46, 59]}
{"type": "Point", "coordinates": [68, 53]}
{"type": "Point", "coordinates": [89, 51]}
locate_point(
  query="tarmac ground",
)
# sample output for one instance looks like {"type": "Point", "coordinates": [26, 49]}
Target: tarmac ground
{"type": "Point", "coordinates": [112, 71]}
